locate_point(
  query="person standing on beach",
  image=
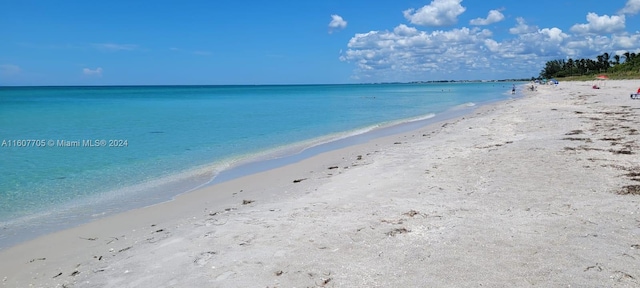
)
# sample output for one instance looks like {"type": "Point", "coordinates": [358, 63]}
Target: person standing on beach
{"type": "Point", "coordinates": [513, 90]}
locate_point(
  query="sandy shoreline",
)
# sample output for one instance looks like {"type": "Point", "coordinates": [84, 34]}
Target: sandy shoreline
{"type": "Point", "coordinates": [523, 193]}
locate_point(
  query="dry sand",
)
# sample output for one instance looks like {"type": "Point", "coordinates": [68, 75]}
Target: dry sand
{"type": "Point", "coordinates": [523, 193]}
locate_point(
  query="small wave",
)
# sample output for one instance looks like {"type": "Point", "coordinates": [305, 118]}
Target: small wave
{"type": "Point", "coordinates": [421, 118]}
{"type": "Point", "coordinates": [463, 106]}
{"type": "Point", "coordinates": [352, 133]}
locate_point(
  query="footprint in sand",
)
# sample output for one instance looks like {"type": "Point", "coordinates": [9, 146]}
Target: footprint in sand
{"type": "Point", "coordinates": [203, 258]}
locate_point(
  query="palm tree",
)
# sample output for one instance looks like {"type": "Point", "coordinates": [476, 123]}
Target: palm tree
{"type": "Point", "coordinates": [605, 61]}
{"type": "Point", "coordinates": [616, 58]}
{"type": "Point", "coordinates": [570, 66]}
{"type": "Point", "coordinates": [600, 63]}
{"type": "Point", "coordinates": [627, 57]}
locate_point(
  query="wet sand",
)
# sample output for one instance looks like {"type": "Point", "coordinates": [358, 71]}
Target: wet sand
{"type": "Point", "coordinates": [537, 191]}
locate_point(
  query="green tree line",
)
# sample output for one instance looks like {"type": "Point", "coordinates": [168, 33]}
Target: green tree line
{"type": "Point", "coordinates": [602, 64]}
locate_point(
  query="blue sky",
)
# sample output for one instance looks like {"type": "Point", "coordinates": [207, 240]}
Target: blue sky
{"type": "Point", "coordinates": [302, 42]}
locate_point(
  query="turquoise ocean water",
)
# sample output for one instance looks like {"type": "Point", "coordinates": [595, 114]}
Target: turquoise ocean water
{"type": "Point", "coordinates": [71, 154]}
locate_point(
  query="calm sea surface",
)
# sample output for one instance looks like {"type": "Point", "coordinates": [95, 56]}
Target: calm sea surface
{"type": "Point", "coordinates": [70, 154]}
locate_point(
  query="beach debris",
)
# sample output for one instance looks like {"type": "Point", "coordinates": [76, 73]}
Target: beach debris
{"type": "Point", "coordinates": [635, 246]}
{"type": "Point", "coordinates": [574, 132]}
{"type": "Point", "coordinates": [37, 259]}
{"type": "Point", "coordinates": [626, 152]}
{"type": "Point", "coordinates": [247, 202]}
{"type": "Point", "coordinates": [629, 190]}
{"type": "Point", "coordinates": [299, 180]}
{"type": "Point", "coordinates": [582, 148]}
{"type": "Point", "coordinates": [325, 282]}
{"type": "Point", "coordinates": [278, 273]}
{"type": "Point", "coordinates": [333, 167]}
{"type": "Point", "coordinates": [395, 222]}
{"type": "Point", "coordinates": [397, 143]}
{"type": "Point", "coordinates": [397, 231]}
{"type": "Point", "coordinates": [412, 213]}
{"type": "Point", "coordinates": [588, 140]}
{"type": "Point", "coordinates": [89, 239]}
{"type": "Point", "coordinates": [611, 139]}
{"type": "Point", "coordinates": [74, 273]}
{"type": "Point", "coordinates": [359, 157]}
{"type": "Point", "coordinates": [621, 275]}
{"type": "Point", "coordinates": [597, 267]}
{"type": "Point", "coordinates": [58, 275]}
{"type": "Point", "coordinates": [125, 249]}
{"type": "Point", "coordinates": [633, 174]}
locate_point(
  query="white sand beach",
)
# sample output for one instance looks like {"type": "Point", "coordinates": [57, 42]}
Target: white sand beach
{"type": "Point", "coordinates": [539, 191]}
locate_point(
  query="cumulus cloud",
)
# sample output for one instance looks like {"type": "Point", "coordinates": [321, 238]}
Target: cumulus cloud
{"type": "Point", "coordinates": [408, 53]}
{"type": "Point", "coordinates": [600, 24]}
{"type": "Point", "coordinates": [632, 7]}
{"type": "Point", "coordinates": [10, 70]}
{"type": "Point", "coordinates": [438, 13]}
{"type": "Point", "coordinates": [522, 27]}
{"type": "Point", "coordinates": [493, 17]}
{"type": "Point", "coordinates": [336, 23]}
{"type": "Point", "coordinates": [413, 52]}
{"type": "Point", "coordinates": [92, 72]}
{"type": "Point", "coordinates": [114, 47]}
{"type": "Point", "coordinates": [627, 42]}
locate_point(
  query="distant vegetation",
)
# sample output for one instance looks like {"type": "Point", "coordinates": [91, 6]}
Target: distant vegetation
{"type": "Point", "coordinates": [623, 66]}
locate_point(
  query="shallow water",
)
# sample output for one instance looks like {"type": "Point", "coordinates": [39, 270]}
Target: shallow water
{"type": "Point", "coordinates": [70, 154]}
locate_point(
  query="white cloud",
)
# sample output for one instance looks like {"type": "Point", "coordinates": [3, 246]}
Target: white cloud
{"type": "Point", "coordinates": [632, 7]}
{"type": "Point", "coordinates": [522, 27]}
{"type": "Point", "coordinates": [92, 72]}
{"type": "Point", "coordinates": [336, 23]}
{"type": "Point", "coordinates": [438, 13]}
{"type": "Point", "coordinates": [114, 47]}
{"type": "Point", "coordinates": [626, 42]}
{"type": "Point", "coordinates": [10, 70]}
{"type": "Point", "coordinates": [408, 51]}
{"type": "Point", "coordinates": [493, 17]}
{"type": "Point", "coordinates": [554, 34]}
{"type": "Point", "coordinates": [600, 24]}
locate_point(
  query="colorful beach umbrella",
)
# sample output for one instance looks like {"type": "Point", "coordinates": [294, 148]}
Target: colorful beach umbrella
{"type": "Point", "coordinates": [602, 77]}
